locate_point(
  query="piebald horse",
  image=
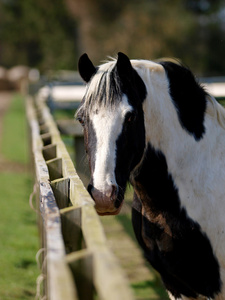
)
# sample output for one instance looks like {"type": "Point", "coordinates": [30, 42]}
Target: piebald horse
{"type": "Point", "coordinates": [153, 125]}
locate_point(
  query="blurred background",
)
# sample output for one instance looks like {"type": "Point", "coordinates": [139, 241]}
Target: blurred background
{"type": "Point", "coordinates": [51, 35]}
{"type": "Point", "coordinates": [42, 37]}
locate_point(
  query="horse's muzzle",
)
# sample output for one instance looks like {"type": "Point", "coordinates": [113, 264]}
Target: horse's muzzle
{"type": "Point", "coordinates": [106, 202]}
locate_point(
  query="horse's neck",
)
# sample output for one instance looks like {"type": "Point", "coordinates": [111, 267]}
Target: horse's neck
{"type": "Point", "coordinates": [184, 155]}
{"type": "Point", "coordinates": [174, 162]}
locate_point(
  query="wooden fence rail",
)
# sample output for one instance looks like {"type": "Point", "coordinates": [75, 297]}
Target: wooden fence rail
{"type": "Point", "coordinates": [77, 263]}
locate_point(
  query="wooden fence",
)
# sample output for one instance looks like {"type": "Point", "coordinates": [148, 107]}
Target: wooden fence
{"type": "Point", "coordinates": [76, 261]}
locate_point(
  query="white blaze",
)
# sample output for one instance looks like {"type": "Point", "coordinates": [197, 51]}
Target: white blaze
{"type": "Point", "coordinates": [108, 125]}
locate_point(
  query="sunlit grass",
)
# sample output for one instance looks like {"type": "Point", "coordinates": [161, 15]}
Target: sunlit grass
{"type": "Point", "coordinates": [18, 229]}
{"type": "Point", "coordinates": [19, 238]}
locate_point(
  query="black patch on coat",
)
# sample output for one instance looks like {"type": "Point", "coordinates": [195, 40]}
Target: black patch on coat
{"type": "Point", "coordinates": [130, 144]}
{"type": "Point", "coordinates": [188, 97]}
{"type": "Point", "coordinates": [173, 243]}
{"type": "Point", "coordinates": [130, 147]}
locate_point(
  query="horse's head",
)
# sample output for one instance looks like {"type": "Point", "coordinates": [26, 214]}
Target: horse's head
{"type": "Point", "coordinates": [114, 133]}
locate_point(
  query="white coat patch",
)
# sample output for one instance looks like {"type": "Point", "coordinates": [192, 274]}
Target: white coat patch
{"type": "Point", "coordinates": [108, 125]}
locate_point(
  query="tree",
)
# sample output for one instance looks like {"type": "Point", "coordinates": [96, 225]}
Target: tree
{"type": "Point", "coordinates": [149, 29]}
{"type": "Point", "coordinates": [52, 34]}
{"type": "Point", "coordinates": [37, 33]}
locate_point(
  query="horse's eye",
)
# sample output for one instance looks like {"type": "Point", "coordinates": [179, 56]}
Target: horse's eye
{"type": "Point", "coordinates": [81, 121]}
{"type": "Point", "coordinates": [130, 117]}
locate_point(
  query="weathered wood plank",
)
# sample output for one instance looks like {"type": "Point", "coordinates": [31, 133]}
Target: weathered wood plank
{"type": "Point", "coordinates": [61, 283]}
{"type": "Point", "coordinates": [71, 229]}
{"type": "Point", "coordinates": [78, 194]}
{"type": "Point", "coordinates": [74, 129]}
{"type": "Point", "coordinates": [51, 227]}
{"type": "Point", "coordinates": [55, 248]}
{"type": "Point", "coordinates": [55, 168]}
{"type": "Point", "coordinates": [81, 264]}
{"type": "Point", "coordinates": [107, 283]}
{"type": "Point", "coordinates": [44, 129]}
{"type": "Point", "coordinates": [60, 189]}
{"type": "Point", "coordinates": [49, 152]}
{"type": "Point", "coordinates": [46, 138]}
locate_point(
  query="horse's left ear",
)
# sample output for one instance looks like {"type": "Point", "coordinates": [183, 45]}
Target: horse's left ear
{"type": "Point", "coordinates": [123, 65]}
{"type": "Point", "coordinates": [86, 67]}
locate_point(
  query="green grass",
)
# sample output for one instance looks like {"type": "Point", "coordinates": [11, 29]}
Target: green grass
{"type": "Point", "coordinates": [222, 102]}
{"type": "Point", "coordinates": [149, 290]}
{"type": "Point", "coordinates": [63, 114]}
{"type": "Point", "coordinates": [19, 239]}
{"type": "Point", "coordinates": [18, 229]}
{"type": "Point", "coordinates": [14, 144]}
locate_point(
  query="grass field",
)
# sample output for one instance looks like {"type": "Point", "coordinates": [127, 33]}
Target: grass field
{"type": "Point", "coordinates": [18, 230]}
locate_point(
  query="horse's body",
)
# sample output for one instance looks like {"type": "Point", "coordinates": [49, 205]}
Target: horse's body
{"type": "Point", "coordinates": [152, 124]}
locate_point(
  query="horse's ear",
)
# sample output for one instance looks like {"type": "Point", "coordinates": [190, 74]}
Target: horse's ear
{"type": "Point", "coordinates": [123, 65]}
{"type": "Point", "coordinates": [86, 67]}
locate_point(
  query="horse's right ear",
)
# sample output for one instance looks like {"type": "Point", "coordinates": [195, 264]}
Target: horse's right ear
{"type": "Point", "coordinates": [86, 67]}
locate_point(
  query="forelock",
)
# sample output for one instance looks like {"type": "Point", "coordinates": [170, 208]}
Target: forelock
{"type": "Point", "coordinates": [104, 88]}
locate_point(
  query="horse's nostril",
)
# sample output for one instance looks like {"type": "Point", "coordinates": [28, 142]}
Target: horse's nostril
{"type": "Point", "coordinates": [114, 191]}
{"type": "Point", "coordinates": [110, 193]}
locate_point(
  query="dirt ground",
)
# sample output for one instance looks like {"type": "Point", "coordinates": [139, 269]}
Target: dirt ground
{"type": "Point", "coordinates": [5, 100]}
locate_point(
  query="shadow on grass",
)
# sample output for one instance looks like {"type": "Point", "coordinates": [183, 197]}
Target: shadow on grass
{"type": "Point", "coordinates": [125, 221]}
{"type": "Point", "coordinates": [153, 289]}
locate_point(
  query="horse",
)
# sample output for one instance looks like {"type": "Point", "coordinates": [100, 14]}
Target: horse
{"type": "Point", "coordinates": [153, 125]}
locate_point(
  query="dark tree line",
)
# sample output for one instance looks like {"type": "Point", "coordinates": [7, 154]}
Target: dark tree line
{"type": "Point", "coordinates": [52, 34]}
{"type": "Point", "coordinates": [37, 33]}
